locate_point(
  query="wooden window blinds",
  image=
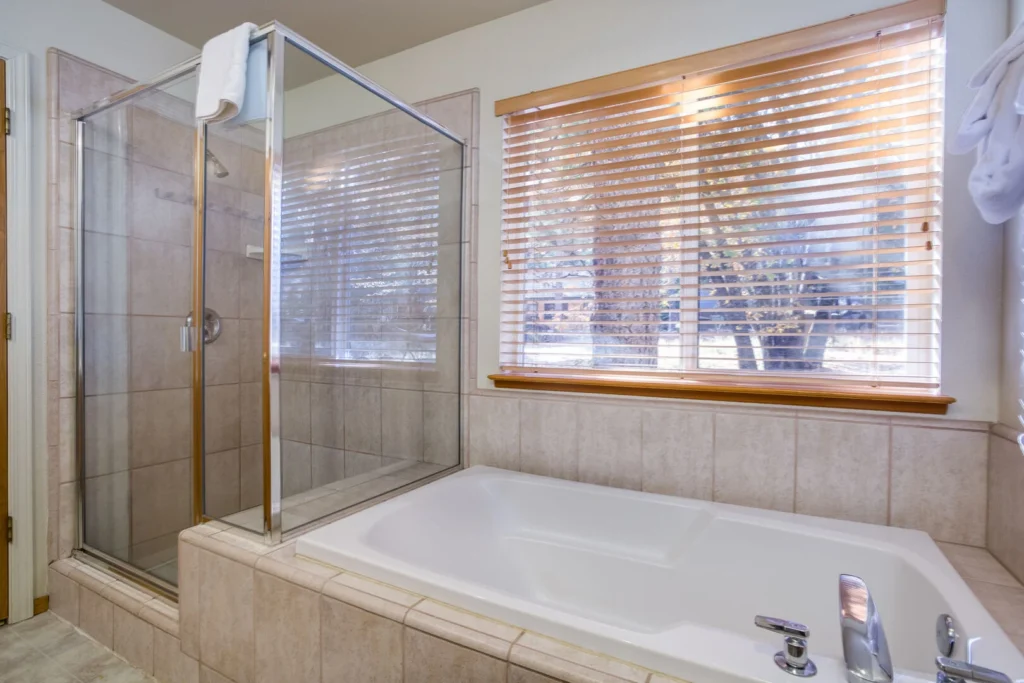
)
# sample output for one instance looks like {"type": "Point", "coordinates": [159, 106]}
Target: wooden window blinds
{"type": "Point", "coordinates": [777, 219]}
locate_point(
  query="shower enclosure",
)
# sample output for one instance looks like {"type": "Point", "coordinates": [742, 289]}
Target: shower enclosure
{"type": "Point", "coordinates": [269, 309]}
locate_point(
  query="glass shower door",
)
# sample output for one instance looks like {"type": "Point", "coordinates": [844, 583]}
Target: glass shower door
{"type": "Point", "coordinates": [135, 244]}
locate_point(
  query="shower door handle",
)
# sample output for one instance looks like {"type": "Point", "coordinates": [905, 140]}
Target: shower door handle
{"type": "Point", "coordinates": [189, 335]}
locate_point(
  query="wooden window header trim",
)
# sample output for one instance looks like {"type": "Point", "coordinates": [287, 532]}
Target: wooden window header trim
{"type": "Point", "coordinates": [696, 390]}
{"type": "Point", "coordinates": [761, 48]}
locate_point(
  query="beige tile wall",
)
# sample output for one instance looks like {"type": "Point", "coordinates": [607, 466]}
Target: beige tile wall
{"type": "Point", "coordinates": [919, 473]}
{"type": "Point", "coordinates": [1005, 508]}
{"type": "Point", "coordinates": [233, 288]}
{"type": "Point", "coordinates": [138, 626]}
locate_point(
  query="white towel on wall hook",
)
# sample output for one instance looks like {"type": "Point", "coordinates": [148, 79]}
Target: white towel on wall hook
{"type": "Point", "coordinates": [222, 73]}
{"type": "Point", "coordinates": [977, 120]}
{"type": "Point", "coordinates": [997, 181]}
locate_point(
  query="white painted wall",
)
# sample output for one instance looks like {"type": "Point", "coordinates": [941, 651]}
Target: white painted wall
{"type": "Point", "coordinates": [1013, 298]}
{"type": "Point", "coordinates": [1013, 294]}
{"type": "Point", "coordinates": [567, 40]}
{"type": "Point", "coordinates": [107, 36]}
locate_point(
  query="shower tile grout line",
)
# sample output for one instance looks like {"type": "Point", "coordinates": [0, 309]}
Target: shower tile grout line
{"type": "Point", "coordinates": [888, 493]}
{"type": "Point", "coordinates": [796, 457]}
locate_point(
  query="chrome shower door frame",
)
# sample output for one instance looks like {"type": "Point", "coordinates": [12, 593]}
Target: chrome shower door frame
{"type": "Point", "coordinates": [271, 392]}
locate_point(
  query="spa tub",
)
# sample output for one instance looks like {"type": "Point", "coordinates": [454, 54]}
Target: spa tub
{"type": "Point", "coordinates": [668, 583]}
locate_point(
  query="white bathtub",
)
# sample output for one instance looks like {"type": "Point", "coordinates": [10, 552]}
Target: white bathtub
{"type": "Point", "coordinates": [668, 583]}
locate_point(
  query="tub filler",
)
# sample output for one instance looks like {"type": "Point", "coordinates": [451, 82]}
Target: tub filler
{"type": "Point", "coordinates": [668, 583]}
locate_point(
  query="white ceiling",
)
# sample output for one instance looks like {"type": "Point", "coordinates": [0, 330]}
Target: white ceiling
{"type": "Point", "coordinates": [355, 31]}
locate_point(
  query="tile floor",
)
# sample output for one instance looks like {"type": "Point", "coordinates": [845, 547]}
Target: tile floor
{"type": "Point", "coordinates": [168, 571]}
{"type": "Point", "coordinates": [46, 649]}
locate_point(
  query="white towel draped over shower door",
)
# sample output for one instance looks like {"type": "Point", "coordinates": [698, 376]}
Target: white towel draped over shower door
{"type": "Point", "coordinates": [222, 74]}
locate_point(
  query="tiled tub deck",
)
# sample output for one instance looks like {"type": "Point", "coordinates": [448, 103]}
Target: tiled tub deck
{"type": "Point", "coordinates": [251, 613]}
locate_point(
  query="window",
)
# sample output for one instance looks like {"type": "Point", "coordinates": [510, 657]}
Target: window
{"type": "Point", "coordinates": [774, 222]}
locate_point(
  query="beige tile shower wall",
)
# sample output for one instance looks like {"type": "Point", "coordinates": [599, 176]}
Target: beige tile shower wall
{"type": "Point", "coordinates": [340, 422]}
{"type": "Point", "coordinates": [159, 285]}
{"type": "Point", "coordinates": [1005, 511]}
{"type": "Point", "coordinates": [919, 473]}
{"type": "Point", "coordinates": [232, 420]}
{"type": "Point", "coordinates": [138, 247]}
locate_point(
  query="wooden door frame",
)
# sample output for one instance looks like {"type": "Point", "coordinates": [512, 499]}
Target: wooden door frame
{"type": "Point", "coordinates": [4, 549]}
{"type": "Point", "coordinates": [26, 408]}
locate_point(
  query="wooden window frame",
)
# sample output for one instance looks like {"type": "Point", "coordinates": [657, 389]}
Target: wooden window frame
{"type": "Point", "coordinates": [739, 392]}
{"type": "Point", "coordinates": [825, 395]}
{"type": "Point", "coordinates": [741, 53]}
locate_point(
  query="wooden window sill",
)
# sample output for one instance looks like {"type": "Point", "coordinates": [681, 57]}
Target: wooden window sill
{"type": "Point", "coordinates": [851, 398]}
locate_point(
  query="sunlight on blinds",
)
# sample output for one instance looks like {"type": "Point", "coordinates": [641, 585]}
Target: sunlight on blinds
{"type": "Point", "coordinates": [774, 218]}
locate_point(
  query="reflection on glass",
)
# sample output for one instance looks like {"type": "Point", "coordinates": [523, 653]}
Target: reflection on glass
{"type": "Point", "coordinates": [370, 297]}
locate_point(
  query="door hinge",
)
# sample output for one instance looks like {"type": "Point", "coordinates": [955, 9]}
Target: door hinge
{"type": "Point", "coordinates": [8, 326]}
{"type": "Point", "coordinates": [7, 120]}
{"type": "Point", "coordinates": [10, 529]}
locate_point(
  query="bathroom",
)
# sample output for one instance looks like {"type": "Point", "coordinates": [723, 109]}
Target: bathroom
{"type": "Point", "coordinates": [484, 388]}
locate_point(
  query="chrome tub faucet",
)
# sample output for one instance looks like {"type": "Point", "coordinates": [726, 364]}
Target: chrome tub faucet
{"type": "Point", "coordinates": [793, 658]}
{"type": "Point", "coordinates": [864, 646]}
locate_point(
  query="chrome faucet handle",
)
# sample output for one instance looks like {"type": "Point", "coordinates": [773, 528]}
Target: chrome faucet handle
{"type": "Point", "coordinates": [784, 626]}
{"type": "Point", "coordinates": [956, 671]}
{"type": "Point", "coordinates": [794, 659]}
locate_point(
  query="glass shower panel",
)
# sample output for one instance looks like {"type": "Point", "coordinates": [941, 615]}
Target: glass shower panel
{"type": "Point", "coordinates": [233, 291]}
{"type": "Point", "coordinates": [135, 266]}
{"type": "Point", "coordinates": [370, 295]}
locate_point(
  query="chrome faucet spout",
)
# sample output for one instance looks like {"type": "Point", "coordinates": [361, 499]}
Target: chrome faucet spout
{"type": "Point", "coordinates": [864, 646]}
